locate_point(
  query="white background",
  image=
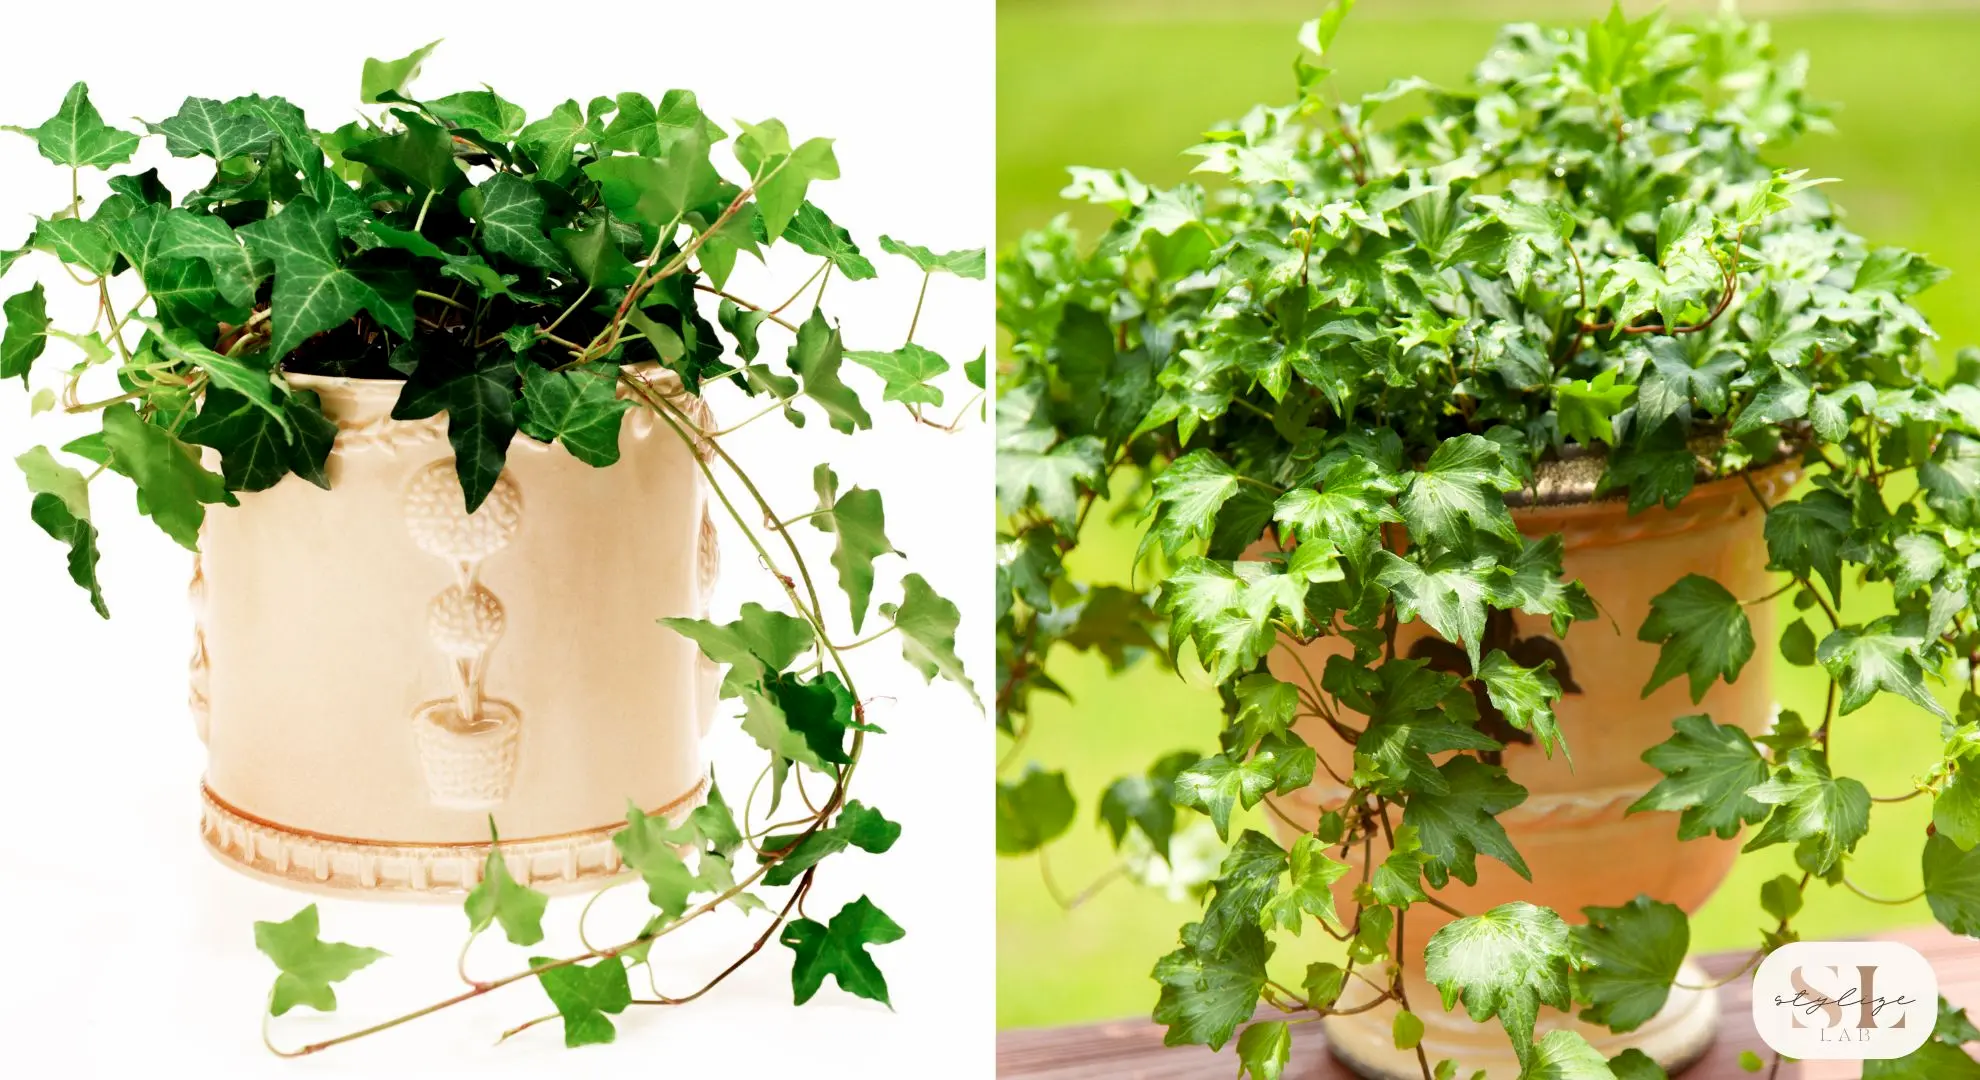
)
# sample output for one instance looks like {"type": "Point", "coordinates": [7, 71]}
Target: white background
{"type": "Point", "coordinates": [128, 948]}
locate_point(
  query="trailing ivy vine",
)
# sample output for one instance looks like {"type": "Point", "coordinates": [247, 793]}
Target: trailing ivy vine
{"type": "Point", "coordinates": [1325, 380]}
{"type": "Point", "coordinates": [518, 276]}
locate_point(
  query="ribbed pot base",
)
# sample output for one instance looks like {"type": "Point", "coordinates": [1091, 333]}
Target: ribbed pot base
{"type": "Point", "coordinates": [1364, 1042]}
{"type": "Point", "coordinates": [386, 870]}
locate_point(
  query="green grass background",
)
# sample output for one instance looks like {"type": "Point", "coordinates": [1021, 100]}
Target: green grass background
{"type": "Point", "coordinates": [1115, 83]}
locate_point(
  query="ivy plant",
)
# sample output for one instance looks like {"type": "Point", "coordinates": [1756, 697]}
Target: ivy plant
{"type": "Point", "coordinates": [1321, 379]}
{"type": "Point", "coordinates": [517, 275]}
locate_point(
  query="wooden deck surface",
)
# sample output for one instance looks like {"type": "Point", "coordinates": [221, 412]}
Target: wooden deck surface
{"type": "Point", "coordinates": [1133, 1050]}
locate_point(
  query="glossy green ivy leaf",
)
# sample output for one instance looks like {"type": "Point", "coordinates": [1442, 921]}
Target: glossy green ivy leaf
{"type": "Point", "coordinates": [815, 359]}
{"type": "Point", "coordinates": [1398, 879]}
{"type": "Point", "coordinates": [510, 215]}
{"type": "Point", "coordinates": [804, 720]}
{"type": "Point", "coordinates": [1568, 1055]}
{"type": "Point", "coordinates": [26, 335]}
{"type": "Point", "coordinates": [1206, 994]}
{"type": "Point", "coordinates": [1822, 815]}
{"type": "Point", "coordinates": [1708, 771]}
{"type": "Point", "coordinates": [1630, 957]}
{"type": "Point", "coordinates": [1460, 823]}
{"type": "Point", "coordinates": [1956, 808]}
{"type": "Point", "coordinates": [205, 126]}
{"type": "Point", "coordinates": [1952, 884]}
{"type": "Point", "coordinates": [58, 519]}
{"type": "Point", "coordinates": [1506, 962]}
{"type": "Point", "coordinates": [585, 995]}
{"type": "Point", "coordinates": [314, 290]}
{"type": "Point", "coordinates": [1805, 536]}
{"type": "Point", "coordinates": [968, 263]}
{"type": "Point", "coordinates": [255, 452]}
{"type": "Point", "coordinates": [79, 243]}
{"type": "Point", "coordinates": [859, 522]}
{"type": "Point", "coordinates": [658, 190]}
{"type": "Point", "coordinates": [1525, 696]}
{"type": "Point", "coordinates": [640, 127]}
{"type": "Point", "coordinates": [236, 274]}
{"type": "Point", "coordinates": [1147, 802]}
{"type": "Point", "coordinates": [838, 949]}
{"type": "Point", "coordinates": [250, 376]}
{"type": "Point", "coordinates": [715, 822]}
{"type": "Point", "coordinates": [1588, 407]}
{"type": "Point", "coordinates": [906, 371]}
{"type": "Point", "coordinates": [552, 141]}
{"type": "Point", "coordinates": [47, 476]}
{"type": "Point", "coordinates": [1932, 1061]}
{"type": "Point", "coordinates": [392, 76]}
{"type": "Point", "coordinates": [857, 826]}
{"type": "Point", "coordinates": [577, 406]}
{"type": "Point", "coordinates": [927, 625]}
{"type": "Point", "coordinates": [1264, 1049]}
{"type": "Point", "coordinates": [758, 644]}
{"type": "Point", "coordinates": [1703, 631]}
{"type": "Point", "coordinates": [814, 233]}
{"type": "Point", "coordinates": [77, 136]}
{"type": "Point", "coordinates": [499, 897]}
{"type": "Point", "coordinates": [420, 154]}
{"type": "Point", "coordinates": [594, 251]}
{"type": "Point", "coordinates": [173, 488]}
{"type": "Point", "coordinates": [1461, 488]}
{"type": "Point", "coordinates": [1309, 888]}
{"type": "Point", "coordinates": [1218, 784]}
{"type": "Point", "coordinates": [1448, 594]}
{"type": "Point", "coordinates": [484, 112]}
{"type": "Point", "coordinates": [307, 963]}
{"type": "Point", "coordinates": [650, 844]}
{"type": "Point", "coordinates": [1049, 471]}
{"type": "Point", "coordinates": [478, 394]}
{"type": "Point", "coordinates": [1032, 811]}
{"type": "Point", "coordinates": [1186, 499]}
{"type": "Point", "coordinates": [782, 173]}
{"type": "Point", "coordinates": [1882, 656]}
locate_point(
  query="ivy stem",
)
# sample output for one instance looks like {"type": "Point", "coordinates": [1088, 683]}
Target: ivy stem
{"type": "Point", "coordinates": [868, 639]}
{"type": "Point", "coordinates": [419, 222]}
{"type": "Point", "coordinates": [447, 300]}
{"type": "Point", "coordinates": [1079, 899]}
{"type": "Point", "coordinates": [460, 962]}
{"type": "Point", "coordinates": [748, 420]}
{"type": "Point", "coordinates": [915, 322]}
{"type": "Point", "coordinates": [779, 309]}
{"type": "Point", "coordinates": [1875, 899]}
{"type": "Point", "coordinates": [824, 279]}
{"type": "Point", "coordinates": [740, 302]}
{"type": "Point", "coordinates": [585, 912]}
{"type": "Point", "coordinates": [566, 313]}
{"type": "Point", "coordinates": [1732, 976]}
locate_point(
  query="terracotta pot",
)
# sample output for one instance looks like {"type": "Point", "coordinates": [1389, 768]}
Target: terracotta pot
{"type": "Point", "coordinates": [376, 672]}
{"type": "Point", "coordinates": [1572, 829]}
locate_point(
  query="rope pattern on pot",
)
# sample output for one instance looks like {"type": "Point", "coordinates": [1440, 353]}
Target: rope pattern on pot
{"type": "Point", "coordinates": [335, 862]}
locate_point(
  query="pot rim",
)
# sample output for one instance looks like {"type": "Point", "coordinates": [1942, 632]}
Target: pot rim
{"type": "Point", "coordinates": [1570, 480]}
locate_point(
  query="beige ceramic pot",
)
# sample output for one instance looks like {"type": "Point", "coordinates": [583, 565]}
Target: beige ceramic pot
{"type": "Point", "coordinates": [1572, 829]}
{"type": "Point", "coordinates": [376, 672]}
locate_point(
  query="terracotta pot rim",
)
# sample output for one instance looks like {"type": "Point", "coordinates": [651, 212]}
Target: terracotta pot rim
{"type": "Point", "coordinates": [1569, 481]}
